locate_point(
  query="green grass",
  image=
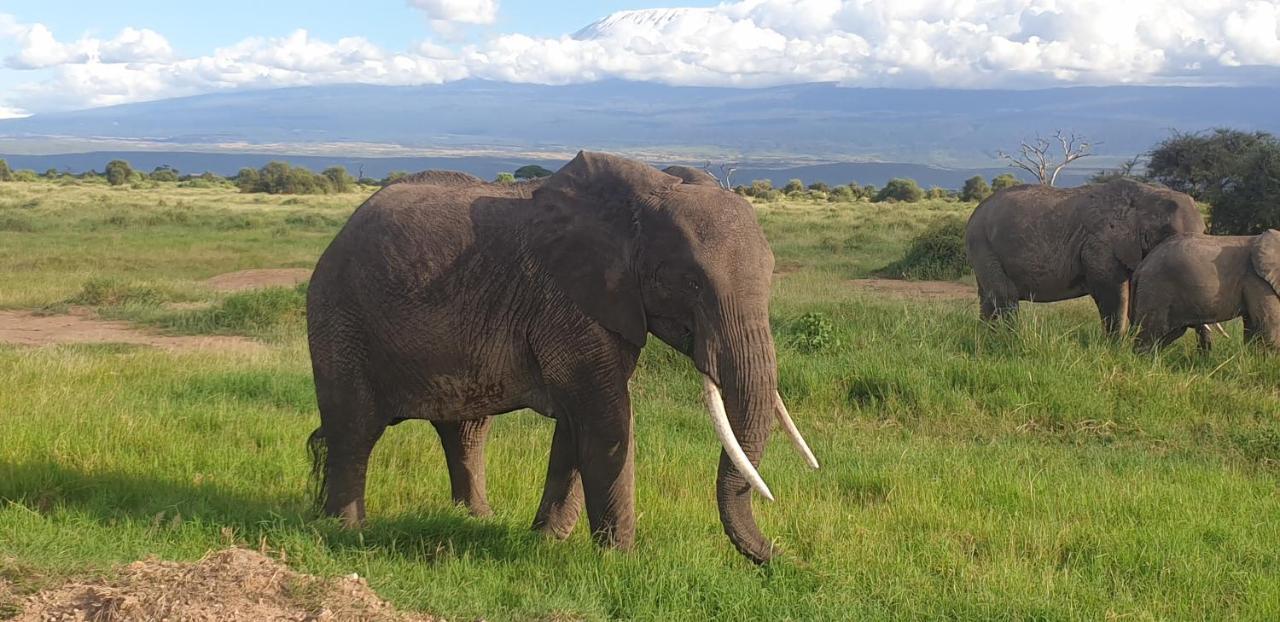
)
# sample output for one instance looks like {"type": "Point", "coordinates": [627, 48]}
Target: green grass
{"type": "Point", "coordinates": [1039, 472]}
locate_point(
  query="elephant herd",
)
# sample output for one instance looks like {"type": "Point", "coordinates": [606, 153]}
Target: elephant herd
{"type": "Point", "coordinates": [453, 300]}
{"type": "Point", "coordinates": [1140, 251]}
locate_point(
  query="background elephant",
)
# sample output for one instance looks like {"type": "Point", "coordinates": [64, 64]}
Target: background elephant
{"type": "Point", "coordinates": [453, 302]}
{"type": "Point", "coordinates": [695, 176]}
{"type": "Point", "coordinates": [1044, 244]}
{"type": "Point", "coordinates": [1193, 280]}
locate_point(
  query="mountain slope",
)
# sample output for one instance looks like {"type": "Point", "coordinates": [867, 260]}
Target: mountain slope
{"type": "Point", "coordinates": [802, 123]}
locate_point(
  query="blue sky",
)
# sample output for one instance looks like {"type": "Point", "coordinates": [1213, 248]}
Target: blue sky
{"type": "Point", "coordinates": [82, 54]}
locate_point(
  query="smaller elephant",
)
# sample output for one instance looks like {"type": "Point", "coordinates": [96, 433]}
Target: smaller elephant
{"type": "Point", "coordinates": [1195, 280]}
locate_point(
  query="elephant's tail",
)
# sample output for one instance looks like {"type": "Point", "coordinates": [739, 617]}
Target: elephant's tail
{"type": "Point", "coordinates": [318, 447]}
{"type": "Point", "coordinates": [1266, 257]}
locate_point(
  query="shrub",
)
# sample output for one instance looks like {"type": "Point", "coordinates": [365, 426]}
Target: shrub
{"type": "Point", "coordinates": [842, 194]}
{"type": "Point", "coordinates": [905, 190]}
{"type": "Point", "coordinates": [393, 177]}
{"type": "Point", "coordinates": [975, 189]}
{"type": "Point", "coordinates": [793, 186]}
{"type": "Point", "coordinates": [1004, 180]}
{"type": "Point", "coordinates": [25, 175]}
{"type": "Point", "coordinates": [505, 178]}
{"type": "Point", "coordinates": [281, 178]}
{"type": "Point", "coordinates": [532, 171]}
{"type": "Point", "coordinates": [164, 172]}
{"type": "Point", "coordinates": [339, 179]}
{"type": "Point", "coordinates": [6, 174]}
{"type": "Point", "coordinates": [812, 332]}
{"type": "Point", "coordinates": [936, 254]}
{"type": "Point", "coordinates": [820, 187]}
{"type": "Point", "coordinates": [119, 172]}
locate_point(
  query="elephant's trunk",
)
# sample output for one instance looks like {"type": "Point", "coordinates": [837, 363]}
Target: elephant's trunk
{"type": "Point", "coordinates": [746, 376]}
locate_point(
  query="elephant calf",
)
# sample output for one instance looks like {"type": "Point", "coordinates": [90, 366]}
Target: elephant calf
{"type": "Point", "coordinates": [1198, 279]}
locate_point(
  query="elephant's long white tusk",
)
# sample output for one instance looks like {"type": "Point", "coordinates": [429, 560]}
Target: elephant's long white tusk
{"type": "Point", "coordinates": [720, 421]}
{"type": "Point", "coordinates": [784, 418]}
{"type": "Point", "coordinates": [1221, 330]}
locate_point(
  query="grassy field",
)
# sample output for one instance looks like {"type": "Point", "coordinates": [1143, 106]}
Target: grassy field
{"type": "Point", "coordinates": [1036, 473]}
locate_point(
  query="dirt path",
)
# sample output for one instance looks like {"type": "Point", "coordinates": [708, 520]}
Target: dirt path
{"type": "Point", "coordinates": [230, 585]}
{"type": "Point", "coordinates": [256, 279]}
{"type": "Point", "coordinates": [28, 329]}
{"type": "Point", "coordinates": [917, 290]}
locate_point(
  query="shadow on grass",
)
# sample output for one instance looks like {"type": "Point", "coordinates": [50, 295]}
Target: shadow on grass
{"type": "Point", "coordinates": [114, 497]}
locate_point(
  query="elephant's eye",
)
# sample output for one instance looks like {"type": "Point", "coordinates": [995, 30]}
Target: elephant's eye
{"type": "Point", "coordinates": [691, 283]}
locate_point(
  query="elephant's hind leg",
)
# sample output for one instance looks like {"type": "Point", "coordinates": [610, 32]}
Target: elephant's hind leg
{"type": "Point", "coordinates": [349, 428]}
{"type": "Point", "coordinates": [997, 294]}
{"type": "Point", "coordinates": [463, 443]}
{"type": "Point", "coordinates": [562, 495]}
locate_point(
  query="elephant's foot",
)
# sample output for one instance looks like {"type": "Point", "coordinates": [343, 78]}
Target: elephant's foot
{"type": "Point", "coordinates": [557, 517]}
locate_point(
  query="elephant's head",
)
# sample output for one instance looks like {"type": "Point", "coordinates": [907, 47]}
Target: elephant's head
{"type": "Point", "coordinates": [1154, 215]}
{"type": "Point", "coordinates": [689, 264]}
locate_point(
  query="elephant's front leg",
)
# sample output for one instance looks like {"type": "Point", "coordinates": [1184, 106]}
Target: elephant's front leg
{"type": "Point", "coordinates": [562, 496]}
{"type": "Point", "coordinates": [602, 434]}
{"type": "Point", "coordinates": [463, 443]}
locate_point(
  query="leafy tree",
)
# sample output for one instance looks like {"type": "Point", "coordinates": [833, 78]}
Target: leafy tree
{"type": "Point", "coordinates": [937, 192]}
{"type": "Point", "coordinates": [118, 172]}
{"type": "Point", "coordinates": [164, 172]}
{"type": "Point", "coordinates": [1201, 164]}
{"type": "Point", "coordinates": [52, 174]}
{"type": "Point", "coordinates": [339, 179]}
{"type": "Point", "coordinates": [793, 186]}
{"type": "Point", "coordinates": [6, 173]}
{"type": "Point", "coordinates": [1124, 171]}
{"type": "Point", "coordinates": [1248, 201]}
{"type": "Point", "coordinates": [869, 192]}
{"type": "Point", "coordinates": [820, 187]}
{"type": "Point", "coordinates": [759, 187]}
{"type": "Point", "coordinates": [393, 177]}
{"type": "Point", "coordinates": [505, 178]}
{"type": "Point", "coordinates": [975, 189]}
{"type": "Point", "coordinates": [25, 175]}
{"type": "Point", "coordinates": [532, 171]}
{"type": "Point", "coordinates": [842, 194]}
{"type": "Point", "coordinates": [247, 180]}
{"type": "Point", "coordinates": [900, 189]}
{"type": "Point", "coordinates": [1004, 180]}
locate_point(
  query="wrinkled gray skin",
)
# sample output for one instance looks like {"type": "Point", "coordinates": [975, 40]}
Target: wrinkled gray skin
{"type": "Point", "coordinates": [453, 301]}
{"type": "Point", "coordinates": [1193, 280]}
{"type": "Point", "coordinates": [1045, 244]}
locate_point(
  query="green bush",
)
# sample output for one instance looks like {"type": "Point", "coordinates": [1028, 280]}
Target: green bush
{"type": "Point", "coordinates": [119, 172]}
{"type": "Point", "coordinates": [281, 178]}
{"type": "Point", "coordinates": [505, 178]}
{"type": "Point", "coordinates": [812, 332]}
{"type": "Point", "coordinates": [6, 174]}
{"type": "Point", "coordinates": [975, 189]}
{"type": "Point", "coordinates": [532, 171]}
{"type": "Point", "coordinates": [1004, 180]}
{"type": "Point", "coordinates": [936, 254]}
{"type": "Point", "coordinates": [904, 190]}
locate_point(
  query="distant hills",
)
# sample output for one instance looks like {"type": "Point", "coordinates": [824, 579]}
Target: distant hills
{"type": "Point", "coordinates": [837, 134]}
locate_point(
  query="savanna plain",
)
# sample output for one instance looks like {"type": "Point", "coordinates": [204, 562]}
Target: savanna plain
{"type": "Point", "coordinates": [1037, 471]}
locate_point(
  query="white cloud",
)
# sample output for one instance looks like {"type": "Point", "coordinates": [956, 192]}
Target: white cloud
{"type": "Point", "coordinates": [445, 15]}
{"type": "Point", "coordinates": [902, 43]}
{"type": "Point", "coordinates": [7, 112]}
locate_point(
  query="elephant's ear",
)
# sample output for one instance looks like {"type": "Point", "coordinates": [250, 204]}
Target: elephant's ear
{"type": "Point", "coordinates": [1266, 257]}
{"type": "Point", "coordinates": [585, 234]}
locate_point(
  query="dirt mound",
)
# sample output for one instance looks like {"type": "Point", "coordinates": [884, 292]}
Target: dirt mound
{"type": "Point", "coordinates": [29, 329]}
{"type": "Point", "coordinates": [919, 290]}
{"type": "Point", "coordinates": [234, 584]}
{"type": "Point", "coordinates": [257, 279]}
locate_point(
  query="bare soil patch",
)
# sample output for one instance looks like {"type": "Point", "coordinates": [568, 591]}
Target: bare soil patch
{"type": "Point", "coordinates": [230, 585]}
{"type": "Point", "coordinates": [257, 279]}
{"type": "Point", "coordinates": [917, 290]}
{"type": "Point", "coordinates": [28, 329]}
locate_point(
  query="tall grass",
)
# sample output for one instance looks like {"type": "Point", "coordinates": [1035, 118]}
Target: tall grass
{"type": "Point", "coordinates": [1037, 471]}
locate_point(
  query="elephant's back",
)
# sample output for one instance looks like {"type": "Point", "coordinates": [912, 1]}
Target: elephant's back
{"type": "Point", "coordinates": [407, 237]}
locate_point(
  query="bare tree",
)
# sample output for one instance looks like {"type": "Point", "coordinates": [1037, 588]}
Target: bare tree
{"type": "Point", "coordinates": [725, 178]}
{"type": "Point", "coordinates": [1039, 157]}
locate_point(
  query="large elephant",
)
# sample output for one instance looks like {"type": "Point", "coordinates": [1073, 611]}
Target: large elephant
{"type": "Point", "coordinates": [1044, 244]}
{"type": "Point", "coordinates": [1190, 281]}
{"type": "Point", "coordinates": [455, 302]}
